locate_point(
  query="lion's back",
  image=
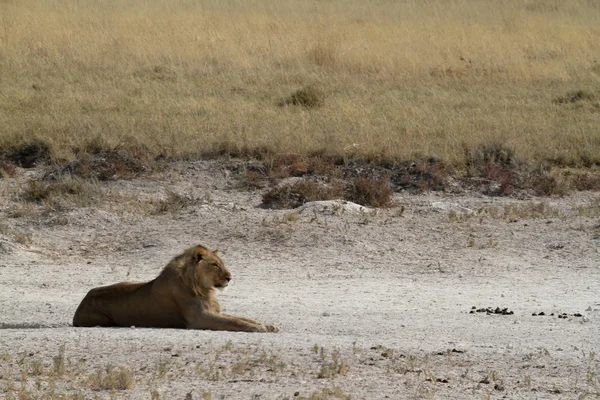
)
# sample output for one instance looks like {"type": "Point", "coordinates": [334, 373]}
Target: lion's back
{"type": "Point", "coordinates": [127, 304]}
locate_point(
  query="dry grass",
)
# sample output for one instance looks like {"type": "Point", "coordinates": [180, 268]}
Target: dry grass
{"type": "Point", "coordinates": [404, 80]}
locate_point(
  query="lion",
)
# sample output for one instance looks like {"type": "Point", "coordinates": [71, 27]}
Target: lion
{"type": "Point", "coordinates": [182, 296]}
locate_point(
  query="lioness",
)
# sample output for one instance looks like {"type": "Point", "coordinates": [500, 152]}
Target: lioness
{"type": "Point", "coordinates": [182, 296]}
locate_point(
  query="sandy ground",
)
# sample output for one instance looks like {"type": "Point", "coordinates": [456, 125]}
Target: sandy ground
{"type": "Point", "coordinates": [370, 304]}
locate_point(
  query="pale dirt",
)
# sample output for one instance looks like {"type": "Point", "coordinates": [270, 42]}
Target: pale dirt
{"type": "Point", "coordinates": [391, 291]}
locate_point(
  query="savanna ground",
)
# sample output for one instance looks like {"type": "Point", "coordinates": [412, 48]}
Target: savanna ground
{"type": "Point", "coordinates": [469, 129]}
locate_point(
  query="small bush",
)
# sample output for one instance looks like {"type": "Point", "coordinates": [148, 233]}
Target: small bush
{"type": "Point", "coordinates": [295, 194]}
{"type": "Point", "coordinates": [308, 97]}
{"type": "Point", "coordinates": [374, 192]}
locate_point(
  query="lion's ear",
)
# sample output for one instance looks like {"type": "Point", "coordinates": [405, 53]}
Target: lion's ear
{"type": "Point", "coordinates": [216, 252]}
{"type": "Point", "coordinates": [200, 253]}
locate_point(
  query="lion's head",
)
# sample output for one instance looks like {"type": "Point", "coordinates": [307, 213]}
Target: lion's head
{"type": "Point", "coordinates": [201, 269]}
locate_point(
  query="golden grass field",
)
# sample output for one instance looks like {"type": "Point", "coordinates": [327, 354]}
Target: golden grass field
{"type": "Point", "coordinates": [396, 79]}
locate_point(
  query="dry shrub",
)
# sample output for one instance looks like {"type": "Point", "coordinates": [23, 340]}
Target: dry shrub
{"type": "Point", "coordinates": [426, 175]}
{"type": "Point", "coordinates": [495, 162]}
{"type": "Point", "coordinates": [586, 180]}
{"type": "Point", "coordinates": [561, 181]}
{"type": "Point", "coordinates": [287, 165]}
{"type": "Point", "coordinates": [256, 174]}
{"type": "Point", "coordinates": [292, 195]}
{"type": "Point", "coordinates": [370, 191]}
{"type": "Point", "coordinates": [307, 97]}
{"type": "Point", "coordinates": [544, 184]}
{"type": "Point", "coordinates": [104, 165]}
{"type": "Point", "coordinates": [493, 152]}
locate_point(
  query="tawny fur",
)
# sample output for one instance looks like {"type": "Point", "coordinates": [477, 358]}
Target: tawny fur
{"type": "Point", "coordinates": [182, 296]}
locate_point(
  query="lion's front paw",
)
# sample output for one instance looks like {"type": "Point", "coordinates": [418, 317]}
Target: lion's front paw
{"type": "Point", "coordinates": [271, 328]}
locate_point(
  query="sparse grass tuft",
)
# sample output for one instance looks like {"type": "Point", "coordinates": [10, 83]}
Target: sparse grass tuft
{"type": "Point", "coordinates": [307, 97]}
{"type": "Point", "coordinates": [327, 394]}
{"type": "Point", "coordinates": [323, 54]}
{"type": "Point", "coordinates": [62, 191]}
{"type": "Point", "coordinates": [112, 378]}
{"type": "Point", "coordinates": [336, 365]}
{"type": "Point", "coordinates": [24, 238]}
{"type": "Point", "coordinates": [174, 202]}
{"type": "Point", "coordinates": [18, 235]}
{"type": "Point", "coordinates": [575, 96]}
{"type": "Point", "coordinates": [241, 362]}
{"type": "Point", "coordinates": [59, 362]}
